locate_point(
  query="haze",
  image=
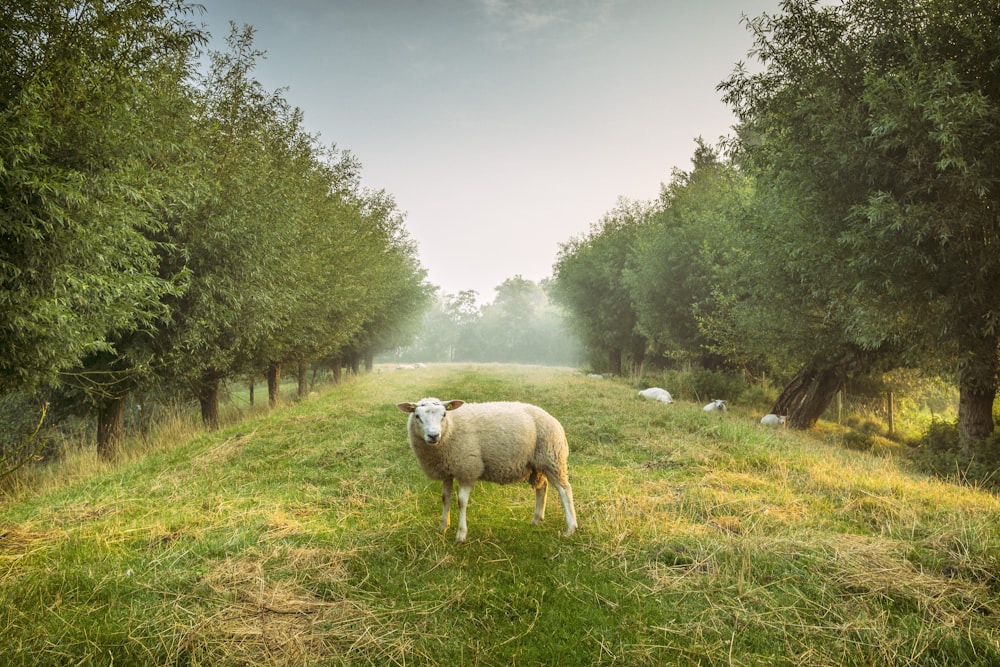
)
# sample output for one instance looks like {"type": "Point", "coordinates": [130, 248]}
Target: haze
{"type": "Point", "coordinates": [502, 127]}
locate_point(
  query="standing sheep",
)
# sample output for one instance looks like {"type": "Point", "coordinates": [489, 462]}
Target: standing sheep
{"type": "Point", "coordinates": [493, 442]}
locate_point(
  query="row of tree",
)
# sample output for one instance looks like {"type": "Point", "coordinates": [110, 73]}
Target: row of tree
{"type": "Point", "coordinates": [854, 226]}
{"type": "Point", "coordinates": [167, 222]}
{"type": "Point", "coordinates": [520, 325]}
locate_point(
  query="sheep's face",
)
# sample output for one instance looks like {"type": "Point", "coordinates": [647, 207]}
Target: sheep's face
{"type": "Point", "coordinates": [428, 417]}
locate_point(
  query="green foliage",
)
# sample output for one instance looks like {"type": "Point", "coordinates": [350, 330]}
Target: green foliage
{"type": "Point", "coordinates": [873, 127]}
{"type": "Point", "coordinates": [589, 281]}
{"type": "Point", "coordinates": [700, 385]}
{"type": "Point", "coordinates": [308, 535]}
{"type": "Point", "coordinates": [943, 452]}
{"type": "Point", "coordinates": [521, 325]}
{"type": "Point", "coordinates": [86, 171]}
{"type": "Point", "coordinates": [675, 260]}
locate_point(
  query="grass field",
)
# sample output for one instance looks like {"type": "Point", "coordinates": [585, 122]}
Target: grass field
{"type": "Point", "coordinates": [307, 536]}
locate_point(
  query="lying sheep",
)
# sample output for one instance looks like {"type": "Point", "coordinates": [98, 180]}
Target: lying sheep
{"type": "Point", "coordinates": [493, 442]}
{"type": "Point", "coordinates": [657, 394]}
{"type": "Point", "coordinates": [716, 405]}
{"type": "Point", "coordinates": [772, 420]}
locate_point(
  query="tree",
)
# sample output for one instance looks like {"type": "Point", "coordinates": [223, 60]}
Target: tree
{"type": "Point", "coordinates": [237, 244]}
{"type": "Point", "coordinates": [522, 326]}
{"type": "Point", "coordinates": [877, 122]}
{"type": "Point", "coordinates": [85, 172]}
{"type": "Point", "coordinates": [589, 281]}
{"type": "Point", "coordinates": [677, 256]}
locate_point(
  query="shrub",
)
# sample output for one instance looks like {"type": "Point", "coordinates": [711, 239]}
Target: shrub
{"type": "Point", "coordinates": [942, 452]}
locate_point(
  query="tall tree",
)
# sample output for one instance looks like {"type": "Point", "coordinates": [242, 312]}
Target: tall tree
{"type": "Point", "coordinates": [234, 246]}
{"type": "Point", "coordinates": [84, 175]}
{"type": "Point", "coordinates": [589, 281]}
{"type": "Point", "coordinates": [877, 122]}
{"type": "Point", "coordinates": [677, 256]}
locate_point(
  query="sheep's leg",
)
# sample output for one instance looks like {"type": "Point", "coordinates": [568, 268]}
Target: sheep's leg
{"type": "Point", "coordinates": [540, 489]}
{"type": "Point", "coordinates": [464, 489]}
{"type": "Point", "coordinates": [557, 476]}
{"type": "Point", "coordinates": [566, 495]}
{"type": "Point", "coordinates": [446, 488]}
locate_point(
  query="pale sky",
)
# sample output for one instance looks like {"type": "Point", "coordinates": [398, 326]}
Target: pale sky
{"type": "Point", "coordinates": [502, 128]}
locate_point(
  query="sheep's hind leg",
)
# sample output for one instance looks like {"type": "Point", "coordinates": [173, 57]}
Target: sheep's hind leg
{"type": "Point", "coordinates": [463, 501]}
{"type": "Point", "coordinates": [541, 486]}
{"type": "Point", "coordinates": [566, 495]}
{"type": "Point", "coordinates": [558, 478]}
{"type": "Point", "coordinates": [446, 488]}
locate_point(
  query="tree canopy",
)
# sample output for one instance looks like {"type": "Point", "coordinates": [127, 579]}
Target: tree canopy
{"type": "Point", "coordinates": [165, 225]}
{"type": "Point", "coordinates": [876, 124]}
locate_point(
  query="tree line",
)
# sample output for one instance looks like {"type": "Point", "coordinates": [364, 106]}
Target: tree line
{"type": "Point", "coordinates": [521, 325]}
{"type": "Point", "coordinates": [167, 223]}
{"type": "Point", "coordinates": [850, 225]}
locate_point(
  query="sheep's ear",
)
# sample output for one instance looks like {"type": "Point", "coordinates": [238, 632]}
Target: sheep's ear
{"type": "Point", "coordinates": [453, 405]}
{"type": "Point", "coordinates": [407, 407]}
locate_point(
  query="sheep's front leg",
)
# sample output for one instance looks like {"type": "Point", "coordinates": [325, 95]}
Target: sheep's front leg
{"type": "Point", "coordinates": [446, 488]}
{"type": "Point", "coordinates": [464, 490]}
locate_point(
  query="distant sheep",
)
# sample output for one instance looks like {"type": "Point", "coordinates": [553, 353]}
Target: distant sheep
{"type": "Point", "coordinates": [772, 420]}
{"type": "Point", "coordinates": [493, 442]}
{"type": "Point", "coordinates": [657, 394]}
{"type": "Point", "coordinates": [716, 406]}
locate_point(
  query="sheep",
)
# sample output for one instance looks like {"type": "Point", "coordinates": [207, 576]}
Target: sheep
{"type": "Point", "coordinates": [657, 394]}
{"type": "Point", "coordinates": [716, 405]}
{"type": "Point", "coordinates": [772, 420]}
{"type": "Point", "coordinates": [499, 442]}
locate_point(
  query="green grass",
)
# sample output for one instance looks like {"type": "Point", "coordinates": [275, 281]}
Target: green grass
{"type": "Point", "coordinates": [307, 536]}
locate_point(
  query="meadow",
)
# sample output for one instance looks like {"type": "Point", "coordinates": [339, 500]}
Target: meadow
{"type": "Point", "coordinates": [307, 536]}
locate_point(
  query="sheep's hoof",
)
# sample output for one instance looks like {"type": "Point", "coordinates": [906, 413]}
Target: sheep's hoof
{"type": "Point", "coordinates": [459, 538]}
{"type": "Point", "coordinates": [569, 531]}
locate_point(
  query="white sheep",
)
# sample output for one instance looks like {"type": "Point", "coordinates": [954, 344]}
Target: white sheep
{"type": "Point", "coordinates": [494, 442]}
{"type": "Point", "coordinates": [772, 420]}
{"type": "Point", "coordinates": [716, 405]}
{"type": "Point", "coordinates": [657, 394]}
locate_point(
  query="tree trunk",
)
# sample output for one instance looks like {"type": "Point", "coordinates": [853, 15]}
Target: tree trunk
{"type": "Point", "coordinates": [369, 362]}
{"type": "Point", "coordinates": [809, 393]}
{"type": "Point", "coordinates": [250, 387]}
{"type": "Point", "coordinates": [355, 364]}
{"type": "Point", "coordinates": [273, 383]}
{"type": "Point", "coordinates": [110, 427]}
{"type": "Point", "coordinates": [338, 367]}
{"type": "Point", "coordinates": [208, 398]}
{"type": "Point", "coordinates": [300, 371]}
{"type": "Point", "coordinates": [977, 389]}
{"type": "Point", "coordinates": [615, 361]}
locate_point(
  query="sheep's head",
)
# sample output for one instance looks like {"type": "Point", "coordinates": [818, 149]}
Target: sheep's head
{"type": "Point", "coordinates": [427, 417]}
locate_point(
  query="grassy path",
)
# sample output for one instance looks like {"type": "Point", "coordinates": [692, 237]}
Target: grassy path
{"type": "Point", "coordinates": [308, 536]}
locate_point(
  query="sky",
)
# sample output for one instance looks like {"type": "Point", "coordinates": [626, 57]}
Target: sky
{"type": "Point", "coordinates": [502, 128]}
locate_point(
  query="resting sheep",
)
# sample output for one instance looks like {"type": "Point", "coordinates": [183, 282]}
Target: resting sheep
{"type": "Point", "coordinates": [716, 405]}
{"type": "Point", "coordinates": [772, 420]}
{"type": "Point", "coordinates": [493, 442]}
{"type": "Point", "coordinates": [657, 394]}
